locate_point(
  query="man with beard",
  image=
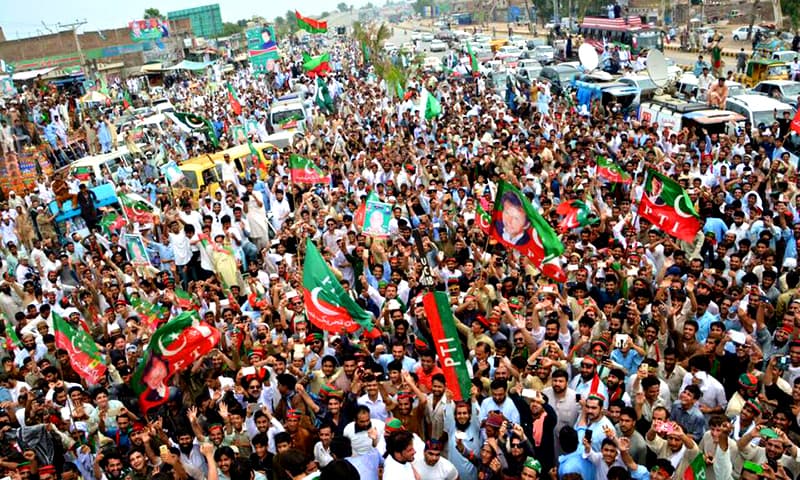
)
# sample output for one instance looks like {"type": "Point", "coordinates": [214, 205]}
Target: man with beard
{"type": "Point", "coordinates": [344, 380]}
{"type": "Point", "coordinates": [563, 399]}
{"type": "Point", "coordinates": [412, 416]}
{"type": "Point", "coordinates": [541, 435]}
{"type": "Point", "coordinates": [615, 385]}
{"type": "Point", "coordinates": [626, 428]}
{"type": "Point", "coordinates": [594, 420]}
{"type": "Point", "coordinates": [777, 450]}
{"type": "Point", "coordinates": [431, 465]}
{"type": "Point", "coordinates": [464, 435]}
{"type": "Point", "coordinates": [679, 448]}
{"type": "Point", "coordinates": [365, 433]}
{"type": "Point", "coordinates": [190, 451]}
{"type": "Point", "coordinates": [436, 404]}
{"type": "Point", "coordinates": [400, 458]}
{"type": "Point", "coordinates": [588, 382]}
{"type": "Point", "coordinates": [109, 466]}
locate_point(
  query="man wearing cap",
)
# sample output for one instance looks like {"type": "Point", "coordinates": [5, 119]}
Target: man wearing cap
{"type": "Point", "coordinates": [777, 450]}
{"type": "Point", "coordinates": [431, 465]}
{"type": "Point", "coordinates": [588, 381]}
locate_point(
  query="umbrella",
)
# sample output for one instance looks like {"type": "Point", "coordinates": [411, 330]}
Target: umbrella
{"type": "Point", "coordinates": [94, 96]}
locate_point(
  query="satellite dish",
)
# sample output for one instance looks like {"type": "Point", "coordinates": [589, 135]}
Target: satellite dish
{"type": "Point", "coordinates": [588, 57]}
{"type": "Point", "coordinates": [657, 67]}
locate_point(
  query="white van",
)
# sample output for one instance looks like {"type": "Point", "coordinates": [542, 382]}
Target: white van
{"type": "Point", "coordinates": [290, 115]}
{"type": "Point", "coordinates": [94, 167]}
{"type": "Point", "coordinates": [758, 109]}
{"type": "Point", "coordinates": [676, 114]}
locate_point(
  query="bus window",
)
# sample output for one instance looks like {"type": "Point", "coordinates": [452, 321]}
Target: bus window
{"type": "Point", "coordinates": [191, 179]}
{"type": "Point", "coordinates": [650, 39]}
{"type": "Point", "coordinates": [211, 175]}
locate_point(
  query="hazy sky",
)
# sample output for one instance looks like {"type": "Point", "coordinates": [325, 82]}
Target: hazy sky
{"type": "Point", "coordinates": [23, 19]}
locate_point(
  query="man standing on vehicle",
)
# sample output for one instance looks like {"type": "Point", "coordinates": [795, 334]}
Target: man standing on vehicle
{"type": "Point", "coordinates": [718, 94]}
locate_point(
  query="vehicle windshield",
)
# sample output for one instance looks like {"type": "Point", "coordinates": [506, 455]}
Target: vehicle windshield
{"type": "Point", "coordinates": [791, 90]}
{"type": "Point", "coordinates": [285, 116]}
{"type": "Point", "coordinates": [767, 117]}
{"type": "Point", "coordinates": [734, 90]}
{"type": "Point", "coordinates": [650, 39]}
{"type": "Point", "coordinates": [190, 179]}
{"type": "Point", "coordinates": [778, 70]}
{"type": "Point", "coordinates": [566, 76]}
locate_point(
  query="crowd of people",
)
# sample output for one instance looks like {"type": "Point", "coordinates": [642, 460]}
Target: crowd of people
{"type": "Point", "coordinates": [657, 358]}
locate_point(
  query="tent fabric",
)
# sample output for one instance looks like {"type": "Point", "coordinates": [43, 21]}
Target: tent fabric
{"type": "Point", "coordinates": [190, 65]}
{"type": "Point", "coordinates": [30, 74]}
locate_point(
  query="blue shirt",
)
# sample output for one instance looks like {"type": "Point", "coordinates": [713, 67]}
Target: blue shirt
{"type": "Point", "coordinates": [575, 463]}
{"type": "Point", "coordinates": [508, 409]}
{"type": "Point", "coordinates": [629, 362]}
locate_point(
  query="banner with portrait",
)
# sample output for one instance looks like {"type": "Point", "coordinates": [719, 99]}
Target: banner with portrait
{"type": "Point", "coordinates": [262, 47]}
{"type": "Point", "coordinates": [148, 29]}
{"type": "Point", "coordinates": [137, 253]}
{"type": "Point", "coordinates": [377, 218]}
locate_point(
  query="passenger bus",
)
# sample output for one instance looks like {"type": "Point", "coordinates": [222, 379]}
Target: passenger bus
{"type": "Point", "coordinates": [630, 32]}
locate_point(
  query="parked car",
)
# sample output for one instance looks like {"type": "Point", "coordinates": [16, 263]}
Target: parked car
{"type": "Point", "coordinates": [427, 37]}
{"type": "Point", "coordinates": [444, 35]}
{"type": "Point", "coordinates": [786, 56]}
{"type": "Point", "coordinates": [757, 109]}
{"type": "Point", "coordinates": [783, 90]}
{"type": "Point", "coordinates": [545, 54]}
{"type": "Point", "coordinates": [533, 43]}
{"type": "Point", "coordinates": [508, 51]}
{"type": "Point", "coordinates": [416, 35]}
{"type": "Point", "coordinates": [438, 46]}
{"type": "Point", "coordinates": [740, 33]}
{"type": "Point", "coordinates": [559, 76]}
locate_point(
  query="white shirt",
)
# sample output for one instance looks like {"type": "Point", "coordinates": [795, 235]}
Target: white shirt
{"type": "Point", "coordinates": [361, 442]}
{"type": "Point", "coordinates": [180, 247]}
{"type": "Point", "coordinates": [443, 470]}
{"type": "Point", "coordinates": [713, 391]}
{"type": "Point", "coordinates": [394, 470]}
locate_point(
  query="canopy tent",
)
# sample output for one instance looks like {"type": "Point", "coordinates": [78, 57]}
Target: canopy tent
{"type": "Point", "coordinates": [94, 96]}
{"type": "Point", "coordinates": [31, 74]}
{"type": "Point", "coordinates": [190, 65]}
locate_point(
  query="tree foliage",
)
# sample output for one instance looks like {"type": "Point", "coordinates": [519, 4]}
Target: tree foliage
{"type": "Point", "coordinates": [342, 7]}
{"type": "Point", "coordinates": [229, 29]}
{"type": "Point", "coordinates": [387, 68]}
{"type": "Point", "coordinates": [152, 13]}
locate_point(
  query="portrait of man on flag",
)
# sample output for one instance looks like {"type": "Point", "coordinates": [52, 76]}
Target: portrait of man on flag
{"type": "Point", "coordinates": [513, 225]}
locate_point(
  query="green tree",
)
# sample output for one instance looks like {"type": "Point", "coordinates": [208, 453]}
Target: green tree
{"type": "Point", "coordinates": [420, 5]}
{"type": "Point", "coordinates": [791, 10]}
{"type": "Point", "coordinates": [325, 15]}
{"type": "Point", "coordinates": [152, 13]}
{"type": "Point", "coordinates": [229, 29]}
{"type": "Point", "coordinates": [342, 7]}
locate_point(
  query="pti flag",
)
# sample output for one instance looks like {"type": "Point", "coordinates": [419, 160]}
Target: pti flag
{"type": "Point", "coordinates": [319, 65]}
{"type": "Point", "coordinates": [516, 224]}
{"type": "Point", "coordinates": [473, 61]}
{"type": "Point", "coordinates": [667, 206]}
{"type": "Point", "coordinates": [152, 314]}
{"type": "Point", "coordinates": [795, 125]}
{"type": "Point", "coordinates": [173, 348]}
{"type": "Point", "coordinates": [447, 344]}
{"type": "Point", "coordinates": [376, 219]}
{"type": "Point", "coordinates": [361, 211]}
{"type": "Point", "coordinates": [611, 171]}
{"type": "Point", "coordinates": [84, 356]}
{"type": "Point", "coordinates": [236, 105]}
{"type": "Point", "coordinates": [697, 469]}
{"type": "Point", "coordinates": [303, 170]}
{"type": "Point", "coordinates": [185, 300]}
{"type": "Point", "coordinates": [136, 208]}
{"type": "Point", "coordinates": [576, 214]}
{"type": "Point", "coordinates": [310, 25]}
{"type": "Point", "coordinates": [328, 305]}
{"type": "Point", "coordinates": [429, 105]}
{"type": "Point", "coordinates": [322, 97]}
{"type": "Point", "coordinates": [111, 221]}
{"type": "Point", "coordinates": [483, 218]}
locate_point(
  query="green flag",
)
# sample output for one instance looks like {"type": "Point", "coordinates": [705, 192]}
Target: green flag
{"type": "Point", "coordinates": [697, 469]}
{"type": "Point", "coordinates": [304, 170]}
{"type": "Point", "coordinates": [322, 97]}
{"type": "Point", "coordinates": [328, 305]}
{"type": "Point", "coordinates": [611, 171]}
{"type": "Point", "coordinates": [319, 65]}
{"type": "Point", "coordinates": [111, 221]}
{"type": "Point", "coordinates": [473, 61]}
{"type": "Point", "coordinates": [431, 107]}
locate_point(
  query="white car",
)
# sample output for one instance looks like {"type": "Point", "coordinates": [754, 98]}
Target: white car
{"type": "Point", "coordinates": [416, 35]}
{"type": "Point", "coordinates": [432, 63]}
{"type": "Point", "coordinates": [427, 37]}
{"type": "Point", "coordinates": [544, 54]}
{"type": "Point", "coordinates": [389, 46]}
{"type": "Point", "coordinates": [741, 32]}
{"type": "Point", "coordinates": [508, 51]}
{"type": "Point", "coordinates": [438, 46]}
{"type": "Point", "coordinates": [480, 38]}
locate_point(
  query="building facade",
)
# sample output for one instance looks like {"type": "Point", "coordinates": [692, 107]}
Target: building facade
{"type": "Point", "coordinates": [206, 20]}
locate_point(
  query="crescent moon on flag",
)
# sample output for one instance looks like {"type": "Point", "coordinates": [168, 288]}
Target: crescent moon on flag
{"type": "Point", "coordinates": [321, 308]}
{"type": "Point", "coordinates": [174, 351]}
{"type": "Point", "coordinates": [677, 206]}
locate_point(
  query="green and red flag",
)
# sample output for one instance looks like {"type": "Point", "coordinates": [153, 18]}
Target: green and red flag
{"type": "Point", "coordinates": [236, 105]}
{"type": "Point", "coordinates": [516, 224]}
{"type": "Point", "coordinates": [611, 171]}
{"type": "Point", "coordinates": [795, 125]}
{"type": "Point", "coordinates": [473, 61]}
{"type": "Point", "coordinates": [127, 101]}
{"type": "Point", "coordinates": [304, 170]}
{"type": "Point", "coordinates": [697, 469]}
{"type": "Point", "coordinates": [12, 339]}
{"type": "Point", "coordinates": [112, 221]}
{"type": "Point", "coordinates": [483, 219]}
{"type": "Point", "coordinates": [310, 25]}
{"type": "Point", "coordinates": [667, 206]}
{"type": "Point", "coordinates": [84, 355]}
{"type": "Point", "coordinates": [448, 346]}
{"type": "Point", "coordinates": [152, 314]}
{"type": "Point", "coordinates": [576, 214]}
{"type": "Point", "coordinates": [185, 300]}
{"type": "Point", "coordinates": [361, 212]}
{"type": "Point", "coordinates": [84, 174]}
{"type": "Point", "coordinates": [319, 65]}
{"type": "Point", "coordinates": [172, 348]}
{"type": "Point", "coordinates": [255, 157]}
{"type": "Point", "coordinates": [136, 208]}
{"type": "Point", "coordinates": [328, 305]}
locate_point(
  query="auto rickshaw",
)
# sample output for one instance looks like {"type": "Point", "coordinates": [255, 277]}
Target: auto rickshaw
{"type": "Point", "coordinates": [760, 69]}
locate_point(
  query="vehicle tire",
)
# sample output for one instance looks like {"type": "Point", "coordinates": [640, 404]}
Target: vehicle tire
{"type": "Point", "coordinates": [736, 38]}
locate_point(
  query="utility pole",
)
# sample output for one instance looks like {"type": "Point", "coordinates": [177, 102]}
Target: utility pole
{"type": "Point", "coordinates": [74, 27]}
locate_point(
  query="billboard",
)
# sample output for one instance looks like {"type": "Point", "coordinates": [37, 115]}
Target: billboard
{"type": "Point", "coordinates": [262, 47]}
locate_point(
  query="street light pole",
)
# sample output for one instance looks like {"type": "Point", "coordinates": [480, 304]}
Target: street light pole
{"type": "Point", "coordinates": [74, 27]}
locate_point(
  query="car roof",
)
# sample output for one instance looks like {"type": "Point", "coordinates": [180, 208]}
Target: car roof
{"type": "Point", "coordinates": [90, 160]}
{"type": "Point", "coordinates": [759, 103]}
{"type": "Point", "coordinates": [777, 82]}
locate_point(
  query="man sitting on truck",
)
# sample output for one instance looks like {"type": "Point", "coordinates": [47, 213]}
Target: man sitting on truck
{"type": "Point", "coordinates": [718, 94]}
